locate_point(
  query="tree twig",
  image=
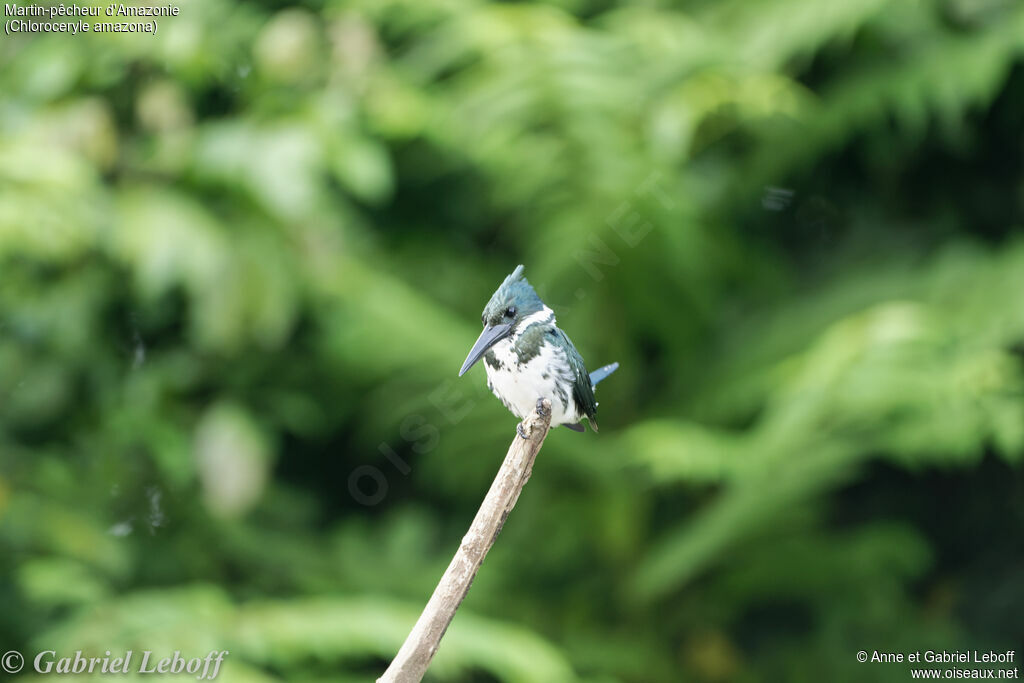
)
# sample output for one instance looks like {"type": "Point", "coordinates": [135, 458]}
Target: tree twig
{"type": "Point", "coordinates": [414, 657]}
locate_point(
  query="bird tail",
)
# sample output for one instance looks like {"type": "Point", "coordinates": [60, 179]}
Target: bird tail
{"type": "Point", "coordinates": [601, 373]}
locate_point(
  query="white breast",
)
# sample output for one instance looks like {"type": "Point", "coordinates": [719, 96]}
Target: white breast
{"type": "Point", "coordinates": [546, 375]}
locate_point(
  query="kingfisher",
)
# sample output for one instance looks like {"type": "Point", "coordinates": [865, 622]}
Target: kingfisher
{"type": "Point", "coordinates": [528, 358]}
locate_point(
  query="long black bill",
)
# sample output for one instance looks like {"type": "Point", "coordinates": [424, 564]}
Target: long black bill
{"type": "Point", "coordinates": [491, 335]}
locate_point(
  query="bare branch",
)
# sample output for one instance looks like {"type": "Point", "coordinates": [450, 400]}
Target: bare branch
{"type": "Point", "coordinates": [414, 657]}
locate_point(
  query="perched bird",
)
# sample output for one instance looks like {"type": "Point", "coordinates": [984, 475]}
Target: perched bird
{"type": "Point", "coordinates": [528, 358]}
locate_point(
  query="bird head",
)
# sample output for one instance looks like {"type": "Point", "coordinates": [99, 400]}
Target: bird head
{"type": "Point", "coordinates": [513, 302]}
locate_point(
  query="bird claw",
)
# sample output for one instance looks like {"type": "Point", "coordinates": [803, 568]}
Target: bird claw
{"type": "Point", "coordinates": [521, 431]}
{"type": "Point", "coordinates": [541, 410]}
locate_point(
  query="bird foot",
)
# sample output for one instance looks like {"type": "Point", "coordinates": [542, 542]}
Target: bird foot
{"type": "Point", "coordinates": [541, 410]}
{"type": "Point", "coordinates": [521, 428]}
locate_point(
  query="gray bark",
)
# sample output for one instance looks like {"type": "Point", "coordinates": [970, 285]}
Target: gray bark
{"type": "Point", "coordinates": [412, 660]}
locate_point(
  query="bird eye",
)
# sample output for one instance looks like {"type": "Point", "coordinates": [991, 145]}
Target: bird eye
{"type": "Point", "coordinates": [510, 312]}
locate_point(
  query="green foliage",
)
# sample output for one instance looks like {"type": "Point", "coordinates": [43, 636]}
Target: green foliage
{"type": "Point", "coordinates": [244, 258]}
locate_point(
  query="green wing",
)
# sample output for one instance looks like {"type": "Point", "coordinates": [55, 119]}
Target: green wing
{"type": "Point", "coordinates": [582, 390]}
